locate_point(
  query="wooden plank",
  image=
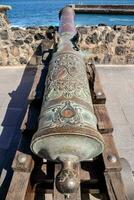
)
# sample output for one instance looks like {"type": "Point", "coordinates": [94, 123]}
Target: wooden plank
{"type": "Point", "coordinates": [22, 162]}
{"type": "Point", "coordinates": [36, 92]}
{"type": "Point", "coordinates": [110, 155]}
{"type": "Point", "coordinates": [115, 186]}
{"type": "Point", "coordinates": [103, 121]}
{"type": "Point", "coordinates": [99, 94]}
{"type": "Point", "coordinates": [59, 196]}
{"type": "Point", "coordinates": [30, 193]}
{"type": "Point", "coordinates": [18, 187]}
{"type": "Point", "coordinates": [33, 93]}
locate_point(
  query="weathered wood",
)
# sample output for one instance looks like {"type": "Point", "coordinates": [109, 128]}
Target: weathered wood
{"type": "Point", "coordinates": [99, 97]}
{"type": "Point", "coordinates": [115, 186]}
{"type": "Point", "coordinates": [103, 121]}
{"type": "Point", "coordinates": [18, 187]}
{"type": "Point", "coordinates": [22, 162]}
{"type": "Point", "coordinates": [30, 193]}
{"type": "Point", "coordinates": [109, 151]}
{"type": "Point", "coordinates": [34, 94]}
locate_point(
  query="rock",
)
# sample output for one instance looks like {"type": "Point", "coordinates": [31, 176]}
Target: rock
{"type": "Point", "coordinates": [92, 39]}
{"type": "Point", "coordinates": [4, 56]}
{"type": "Point", "coordinates": [15, 28]}
{"type": "Point", "coordinates": [39, 36]}
{"type": "Point", "coordinates": [43, 28]}
{"type": "Point", "coordinates": [15, 51]}
{"type": "Point", "coordinates": [97, 59]}
{"type": "Point", "coordinates": [117, 28]}
{"type": "Point", "coordinates": [101, 24]}
{"type": "Point", "coordinates": [102, 35]}
{"type": "Point", "coordinates": [23, 60]}
{"type": "Point", "coordinates": [20, 34]}
{"type": "Point", "coordinates": [120, 50]}
{"type": "Point", "coordinates": [130, 29]}
{"type": "Point", "coordinates": [130, 59]}
{"type": "Point", "coordinates": [18, 42]}
{"type": "Point", "coordinates": [31, 27]}
{"type": "Point", "coordinates": [93, 28]}
{"type": "Point", "coordinates": [4, 35]}
{"type": "Point", "coordinates": [110, 36]}
{"type": "Point", "coordinates": [100, 49]}
{"type": "Point", "coordinates": [121, 40]}
{"type": "Point", "coordinates": [28, 40]}
{"type": "Point", "coordinates": [133, 37]}
{"type": "Point", "coordinates": [82, 30]}
{"type": "Point", "coordinates": [107, 59]}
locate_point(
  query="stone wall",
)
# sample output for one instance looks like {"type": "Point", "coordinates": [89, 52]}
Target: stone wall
{"type": "Point", "coordinates": [102, 44]}
{"type": "Point", "coordinates": [108, 45]}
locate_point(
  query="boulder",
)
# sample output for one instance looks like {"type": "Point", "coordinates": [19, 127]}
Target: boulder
{"type": "Point", "coordinates": [107, 59]}
{"type": "Point", "coordinates": [109, 37]}
{"type": "Point", "coordinates": [39, 36]}
{"type": "Point", "coordinates": [28, 40]}
{"type": "Point", "coordinates": [130, 59]}
{"type": "Point", "coordinates": [130, 29]}
{"type": "Point", "coordinates": [120, 50]}
{"type": "Point", "coordinates": [92, 39]}
{"type": "Point", "coordinates": [23, 60]}
{"type": "Point", "coordinates": [15, 51]}
{"type": "Point", "coordinates": [4, 35]}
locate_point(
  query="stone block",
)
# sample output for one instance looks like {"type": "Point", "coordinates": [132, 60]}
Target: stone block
{"type": "Point", "coordinates": [4, 57]}
{"type": "Point", "coordinates": [15, 51]}
{"type": "Point", "coordinates": [4, 35]}
{"type": "Point", "coordinates": [120, 50]}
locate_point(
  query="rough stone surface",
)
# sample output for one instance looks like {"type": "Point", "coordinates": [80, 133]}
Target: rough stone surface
{"type": "Point", "coordinates": [92, 38]}
{"type": "Point", "coordinates": [100, 44]}
{"type": "Point", "coordinates": [4, 35]}
{"type": "Point", "coordinates": [110, 36]}
{"type": "Point", "coordinates": [130, 29]}
{"type": "Point", "coordinates": [15, 51]}
{"type": "Point", "coordinates": [107, 59]}
{"type": "Point", "coordinates": [120, 50]}
{"type": "Point", "coordinates": [39, 36]}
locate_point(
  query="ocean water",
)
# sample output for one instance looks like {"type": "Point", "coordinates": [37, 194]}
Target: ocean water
{"type": "Point", "coordinates": [45, 12]}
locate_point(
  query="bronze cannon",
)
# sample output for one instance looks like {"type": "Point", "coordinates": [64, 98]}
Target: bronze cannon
{"type": "Point", "coordinates": [67, 130]}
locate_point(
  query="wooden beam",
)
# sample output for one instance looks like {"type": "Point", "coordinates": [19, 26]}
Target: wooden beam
{"type": "Point", "coordinates": [115, 186]}
{"type": "Point", "coordinates": [18, 187]}
{"type": "Point", "coordinates": [103, 121]}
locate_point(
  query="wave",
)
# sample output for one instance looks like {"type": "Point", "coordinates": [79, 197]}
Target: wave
{"type": "Point", "coordinates": [123, 20]}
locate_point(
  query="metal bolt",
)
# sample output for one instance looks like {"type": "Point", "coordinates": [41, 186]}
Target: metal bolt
{"type": "Point", "coordinates": [22, 158]}
{"type": "Point", "coordinates": [112, 158]}
{"type": "Point", "coordinates": [99, 93]}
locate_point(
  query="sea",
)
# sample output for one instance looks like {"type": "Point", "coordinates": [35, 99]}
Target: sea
{"type": "Point", "coordinates": [45, 12]}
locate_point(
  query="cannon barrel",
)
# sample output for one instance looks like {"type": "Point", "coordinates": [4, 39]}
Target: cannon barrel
{"type": "Point", "coordinates": [67, 130]}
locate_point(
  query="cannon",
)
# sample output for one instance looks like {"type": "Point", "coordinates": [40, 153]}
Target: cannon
{"type": "Point", "coordinates": [67, 130]}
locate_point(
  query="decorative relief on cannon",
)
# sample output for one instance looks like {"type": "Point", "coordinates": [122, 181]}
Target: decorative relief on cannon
{"type": "Point", "coordinates": [67, 130]}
